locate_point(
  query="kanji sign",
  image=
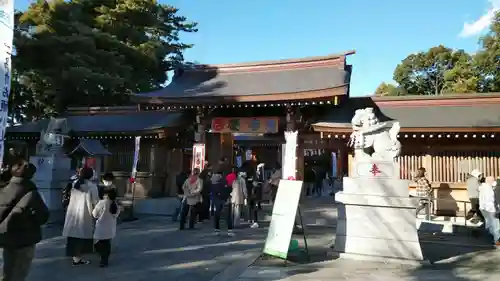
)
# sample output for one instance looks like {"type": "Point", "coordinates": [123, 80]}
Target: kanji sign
{"type": "Point", "coordinates": [245, 125]}
{"type": "Point", "coordinates": [375, 171]}
{"type": "Point", "coordinates": [6, 36]}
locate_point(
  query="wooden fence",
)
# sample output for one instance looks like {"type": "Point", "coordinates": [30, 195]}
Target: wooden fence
{"type": "Point", "coordinates": [450, 167]}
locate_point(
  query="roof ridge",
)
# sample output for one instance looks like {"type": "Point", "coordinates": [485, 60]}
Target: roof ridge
{"type": "Point", "coordinates": [194, 67]}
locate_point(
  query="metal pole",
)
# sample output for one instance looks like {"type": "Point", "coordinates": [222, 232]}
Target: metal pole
{"type": "Point", "coordinates": [428, 209]}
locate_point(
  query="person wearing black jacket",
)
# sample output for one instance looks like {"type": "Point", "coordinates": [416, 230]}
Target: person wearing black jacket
{"type": "Point", "coordinates": [205, 176]}
{"type": "Point", "coordinates": [22, 213]}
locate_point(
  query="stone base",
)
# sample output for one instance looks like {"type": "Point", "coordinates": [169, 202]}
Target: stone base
{"type": "Point", "coordinates": [377, 218]}
{"type": "Point", "coordinates": [384, 231]}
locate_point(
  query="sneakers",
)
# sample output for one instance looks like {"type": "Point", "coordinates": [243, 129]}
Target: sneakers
{"type": "Point", "coordinates": [217, 232]}
{"type": "Point", "coordinates": [80, 262]}
{"type": "Point", "coordinates": [230, 233]}
{"type": "Point", "coordinates": [254, 225]}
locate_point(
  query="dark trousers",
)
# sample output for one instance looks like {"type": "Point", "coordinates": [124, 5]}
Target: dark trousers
{"type": "Point", "coordinates": [17, 263]}
{"type": "Point", "coordinates": [204, 212]}
{"type": "Point", "coordinates": [220, 206]}
{"type": "Point", "coordinates": [318, 187]}
{"type": "Point", "coordinates": [474, 210]}
{"type": "Point", "coordinates": [253, 210]}
{"type": "Point", "coordinates": [103, 248]}
{"type": "Point", "coordinates": [192, 211]}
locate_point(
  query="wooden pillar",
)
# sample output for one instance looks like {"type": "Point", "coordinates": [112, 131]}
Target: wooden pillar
{"type": "Point", "coordinates": [199, 135]}
{"type": "Point", "coordinates": [226, 144]}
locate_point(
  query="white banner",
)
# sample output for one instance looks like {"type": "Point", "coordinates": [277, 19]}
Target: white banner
{"type": "Point", "coordinates": [198, 161]}
{"type": "Point", "coordinates": [290, 163]}
{"type": "Point", "coordinates": [6, 37]}
{"type": "Point", "coordinates": [137, 147]}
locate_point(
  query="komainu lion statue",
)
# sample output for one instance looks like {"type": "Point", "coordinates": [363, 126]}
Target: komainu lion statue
{"type": "Point", "coordinates": [372, 139]}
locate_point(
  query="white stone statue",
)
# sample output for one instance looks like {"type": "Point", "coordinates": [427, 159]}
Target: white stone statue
{"type": "Point", "coordinates": [52, 139]}
{"type": "Point", "coordinates": [372, 139]}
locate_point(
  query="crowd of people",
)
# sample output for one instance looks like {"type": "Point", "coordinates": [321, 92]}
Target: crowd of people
{"type": "Point", "coordinates": [91, 213]}
{"type": "Point", "coordinates": [224, 192]}
{"type": "Point", "coordinates": [484, 197]}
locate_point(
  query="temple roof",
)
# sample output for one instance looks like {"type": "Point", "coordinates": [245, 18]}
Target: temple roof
{"type": "Point", "coordinates": [260, 81]}
{"type": "Point", "coordinates": [91, 147]}
{"type": "Point", "coordinates": [109, 123]}
{"type": "Point", "coordinates": [416, 114]}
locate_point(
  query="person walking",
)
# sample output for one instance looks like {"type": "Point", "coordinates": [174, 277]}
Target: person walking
{"type": "Point", "coordinates": [238, 197]}
{"type": "Point", "coordinates": [192, 188]}
{"type": "Point", "coordinates": [179, 182]}
{"type": "Point", "coordinates": [107, 182]}
{"type": "Point", "coordinates": [79, 222]}
{"type": "Point", "coordinates": [220, 195]}
{"type": "Point", "coordinates": [309, 179]}
{"type": "Point", "coordinates": [474, 216]}
{"type": "Point", "coordinates": [106, 213]}
{"type": "Point", "coordinates": [489, 209]}
{"type": "Point", "coordinates": [22, 213]}
{"type": "Point", "coordinates": [423, 192]}
{"type": "Point", "coordinates": [204, 212]}
{"type": "Point", "coordinates": [274, 181]}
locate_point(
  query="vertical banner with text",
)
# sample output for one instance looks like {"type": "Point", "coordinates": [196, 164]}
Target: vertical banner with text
{"type": "Point", "coordinates": [198, 161]}
{"type": "Point", "coordinates": [137, 147]}
{"type": "Point", "coordinates": [6, 37]}
{"type": "Point", "coordinates": [289, 170]}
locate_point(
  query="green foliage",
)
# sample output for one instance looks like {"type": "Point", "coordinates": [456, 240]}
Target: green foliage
{"type": "Point", "coordinates": [92, 52]}
{"type": "Point", "coordinates": [488, 59]}
{"type": "Point", "coordinates": [441, 70]}
{"type": "Point", "coordinates": [387, 89]}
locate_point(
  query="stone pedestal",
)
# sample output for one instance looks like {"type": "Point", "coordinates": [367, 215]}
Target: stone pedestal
{"type": "Point", "coordinates": [52, 175]}
{"type": "Point", "coordinates": [376, 217]}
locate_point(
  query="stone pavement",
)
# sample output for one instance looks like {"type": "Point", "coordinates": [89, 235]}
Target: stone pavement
{"type": "Point", "coordinates": [482, 266]}
{"type": "Point", "coordinates": [152, 249]}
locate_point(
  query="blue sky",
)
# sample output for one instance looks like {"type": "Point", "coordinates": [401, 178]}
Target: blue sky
{"type": "Point", "coordinates": [382, 32]}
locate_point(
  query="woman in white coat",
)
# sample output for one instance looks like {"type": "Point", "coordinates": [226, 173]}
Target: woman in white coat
{"type": "Point", "coordinates": [79, 223]}
{"type": "Point", "coordinates": [238, 197]}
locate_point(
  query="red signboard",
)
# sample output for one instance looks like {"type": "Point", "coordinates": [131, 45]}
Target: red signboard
{"type": "Point", "coordinates": [259, 125]}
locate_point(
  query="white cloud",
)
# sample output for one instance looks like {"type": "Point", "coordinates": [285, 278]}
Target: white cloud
{"type": "Point", "coordinates": [481, 24]}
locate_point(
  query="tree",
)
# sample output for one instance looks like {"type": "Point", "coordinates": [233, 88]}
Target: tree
{"type": "Point", "coordinates": [425, 73]}
{"type": "Point", "coordinates": [487, 61]}
{"type": "Point", "coordinates": [463, 77]}
{"type": "Point", "coordinates": [387, 89]}
{"type": "Point", "coordinates": [94, 52]}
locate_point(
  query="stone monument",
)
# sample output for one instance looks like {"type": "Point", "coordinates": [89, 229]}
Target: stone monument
{"type": "Point", "coordinates": [53, 166]}
{"type": "Point", "coordinates": [376, 217]}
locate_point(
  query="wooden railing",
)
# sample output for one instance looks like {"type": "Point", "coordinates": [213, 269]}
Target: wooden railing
{"type": "Point", "coordinates": [450, 166]}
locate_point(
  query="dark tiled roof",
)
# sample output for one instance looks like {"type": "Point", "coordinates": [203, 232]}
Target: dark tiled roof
{"type": "Point", "coordinates": [112, 123]}
{"type": "Point", "coordinates": [211, 83]}
{"type": "Point", "coordinates": [91, 147]}
{"type": "Point", "coordinates": [432, 116]}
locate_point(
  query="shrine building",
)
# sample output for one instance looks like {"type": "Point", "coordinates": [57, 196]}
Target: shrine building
{"type": "Point", "coordinates": [235, 108]}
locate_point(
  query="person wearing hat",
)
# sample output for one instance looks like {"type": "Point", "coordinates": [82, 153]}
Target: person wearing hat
{"type": "Point", "coordinates": [476, 178]}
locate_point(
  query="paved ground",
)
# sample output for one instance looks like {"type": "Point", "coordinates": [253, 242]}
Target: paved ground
{"type": "Point", "coordinates": [453, 257]}
{"type": "Point", "coordinates": [151, 249]}
{"type": "Point", "coordinates": [482, 266]}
